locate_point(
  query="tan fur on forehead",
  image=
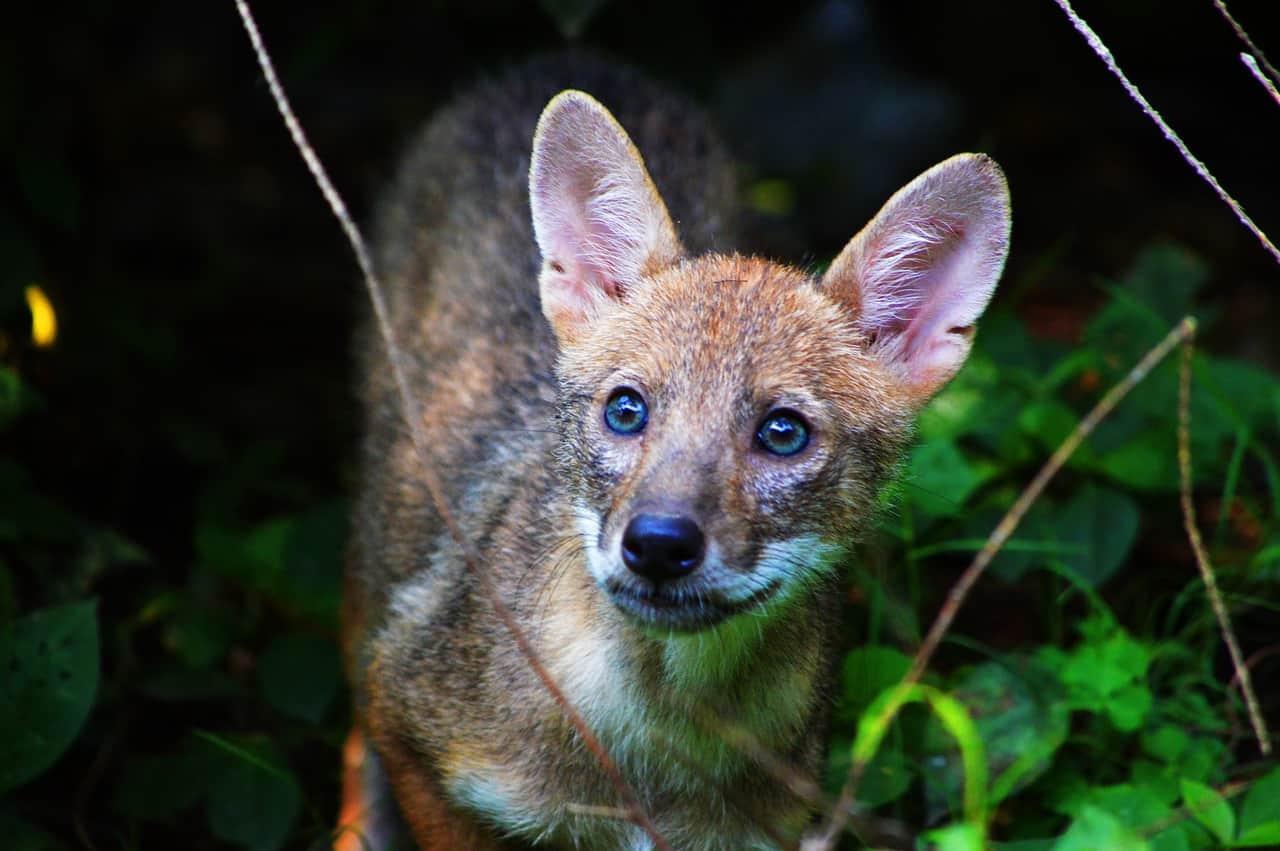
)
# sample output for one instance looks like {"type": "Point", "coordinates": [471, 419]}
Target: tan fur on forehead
{"type": "Point", "coordinates": [708, 325]}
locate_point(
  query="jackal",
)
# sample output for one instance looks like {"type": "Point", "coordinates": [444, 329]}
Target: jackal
{"type": "Point", "coordinates": [662, 450]}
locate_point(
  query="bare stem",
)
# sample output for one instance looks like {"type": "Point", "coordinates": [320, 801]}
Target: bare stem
{"type": "Point", "coordinates": [1104, 54]}
{"type": "Point", "coordinates": [1252, 64]}
{"type": "Point", "coordinates": [845, 806]}
{"type": "Point", "coordinates": [409, 409]}
{"type": "Point", "coordinates": [1248, 42]}
{"type": "Point", "coordinates": [1202, 556]}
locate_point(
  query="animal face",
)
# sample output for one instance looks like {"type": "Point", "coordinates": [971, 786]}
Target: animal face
{"type": "Point", "coordinates": [723, 433]}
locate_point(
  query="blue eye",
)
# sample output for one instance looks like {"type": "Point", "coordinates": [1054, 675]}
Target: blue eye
{"type": "Point", "coordinates": [783, 432]}
{"type": "Point", "coordinates": [626, 412]}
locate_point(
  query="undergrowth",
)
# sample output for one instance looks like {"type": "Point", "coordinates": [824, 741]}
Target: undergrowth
{"type": "Point", "coordinates": [1084, 702]}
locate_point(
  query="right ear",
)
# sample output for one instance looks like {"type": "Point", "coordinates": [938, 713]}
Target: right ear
{"type": "Point", "coordinates": [597, 216]}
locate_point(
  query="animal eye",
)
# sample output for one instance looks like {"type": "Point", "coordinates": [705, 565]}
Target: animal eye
{"type": "Point", "coordinates": [626, 412]}
{"type": "Point", "coordinates": [783, 432]}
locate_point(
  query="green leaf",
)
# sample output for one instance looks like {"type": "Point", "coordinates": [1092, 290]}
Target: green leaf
{"type": "Point", "coordinates": [50, 660]}
{"type": "Point", "coordinates": [200, 634]}
{"type": "Point", "coordinates": [1128, 706]}
{"type": "Point", "coordinates": [1095, 829]}
{"type": "Point", "coordinates": [1165, 743]}
{"type": "Point", "coordinates": [1048, 422]}
{"type": "Point", "coordinates": [1146, 463]}
{"type": "Point", "coordinates": [867, 672]}
{"type": "Point", "coordinates": [1021, 724]}
{"type": "Point", "coordinates": [1210, 809]}
{"type": "Point", "coordinates": [1261, 807]}
{"type": "Point", "coordinates": [951, 713]}
{"type": "Point", "coordinates": [956, 837]}
{"type": "Point", "coordinates": [1100, 525]}
{"type": "Point", "coordinates": [299, 675]}
{"type": "Point", "coordinates": [1100, 668]}
{"type": "Point", "coordinates": [1265, 835]}
{"type": "Point", "coordinates": [940, 479]}
{"type": "Point", "coordinates": [254, 799]}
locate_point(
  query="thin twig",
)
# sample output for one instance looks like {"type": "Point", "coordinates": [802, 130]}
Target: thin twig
{"type": "Point", "coordinates": [1004, 530]}
{"type": "Point", "coordinates": [409, 409]}
{"type": "Point", "coordinates": [1252, 64]}
{"type": "Point", "coordinates": [1202, 557]}
{"type": "Point", "coordinates": [1105, 55]}
{"type": "Point", "coordinates": [1248, 42]}
{"type": "Point", "coordinates": [1250, 664]}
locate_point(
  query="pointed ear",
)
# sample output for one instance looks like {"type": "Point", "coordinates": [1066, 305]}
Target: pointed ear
{"type": "Point", "coordinates": [597, 216]}
{"type": "Point", "coordinates": [920, 274]}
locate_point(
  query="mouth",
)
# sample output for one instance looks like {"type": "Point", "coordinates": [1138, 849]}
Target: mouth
{"type": "Point", "coordinates": [682, 609]}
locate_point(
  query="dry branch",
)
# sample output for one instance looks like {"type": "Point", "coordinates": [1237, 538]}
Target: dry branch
{"type": "Point", "coordinates": [1251, 63]}
{"type": "Point", "coordinates": [1258, 55]}
{"type": "Point", "coordinates": [1104, 53]}
{"type": "Point", "coordinates": [1202, 557]}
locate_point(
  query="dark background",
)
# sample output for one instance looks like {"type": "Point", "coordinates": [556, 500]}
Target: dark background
{"type": "Point", "coordinates": [205, 295]}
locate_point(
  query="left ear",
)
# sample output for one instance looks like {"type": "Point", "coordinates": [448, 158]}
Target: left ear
{"type": "Point", "coordinates": [598, 219]}
{"type": "Point", "coordinates": [919, 275]}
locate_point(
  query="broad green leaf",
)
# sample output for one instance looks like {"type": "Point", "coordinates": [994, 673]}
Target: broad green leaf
{"type": "Point", "coordinates": [1128, 706]}
{"type": "Point", "coordinates": [1048, 422]}
{"type": "Point", "coordinates": [200, 634]}
{"type": "Point", "coordinates": [1095, 829]}
{"type": "Point", "coordinates": [1034, 544]}
{"type": "Point", "coordinates": [1159, 779]}
{"type": "Point", "coordinates": [940, 479]}
{"type": "Point", "coordinates": [1266, 835]}
{"type": "Point", "coordinates": [866, 673]}
{"type": "Point", "coordinates": [254, 799]}
{"type": "Point", "coordinates": [956, 837]}
{"type": "Point", "coordinates": [1021, 724]}
{"type": "Point", "coordinates": [50, 664]}
{"type": "Point", "coordinates": [1099, 669]}
{"type": "Point", "coordinates": [1147, 463]}
{"type": "Point", "coordinates": [1210, 809]}
{"type": "Point", "coordinates": [1250, 393]}
{"type": "Point", "coordinates": [1100, 525]}
{"type": "Point", "coordinates": [886, 778]}
{"type": "Point", "coordinates": [1166, 743]}
{"type": "Point", "coordinates": [951, 713]}
{"type": "Point", "coordinates": [311, 577]}
{"type": "Point", "coordinates": [1260, 812]}
{"type": "Point", "coordinates": [299, 675]}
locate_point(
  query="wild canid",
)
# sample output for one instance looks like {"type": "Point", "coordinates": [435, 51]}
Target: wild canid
{"type": "Point", "coordinates": [663, 451]}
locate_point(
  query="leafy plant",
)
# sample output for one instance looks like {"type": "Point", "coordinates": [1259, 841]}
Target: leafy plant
{"type": "Point", "coordinates": [1096, 734]}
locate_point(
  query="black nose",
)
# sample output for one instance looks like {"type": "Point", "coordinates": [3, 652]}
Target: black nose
{"type": "Point", "coordinates": [661, 548]}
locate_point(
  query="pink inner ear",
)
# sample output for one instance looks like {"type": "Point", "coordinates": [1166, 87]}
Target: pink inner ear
{"type": "Point", "coordinates": [922, 271]}
{"type": "Point", "coordinates": [922, 284]}
{"type": "Point", "coordinates": [939, 298]}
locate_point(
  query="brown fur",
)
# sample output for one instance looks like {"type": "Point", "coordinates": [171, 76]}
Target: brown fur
{"type": "Point", "coordinates": [477, 753]}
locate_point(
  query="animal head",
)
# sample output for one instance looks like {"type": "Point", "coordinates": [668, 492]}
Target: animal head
{"type": "Point", "coordinates": [726, 421]}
